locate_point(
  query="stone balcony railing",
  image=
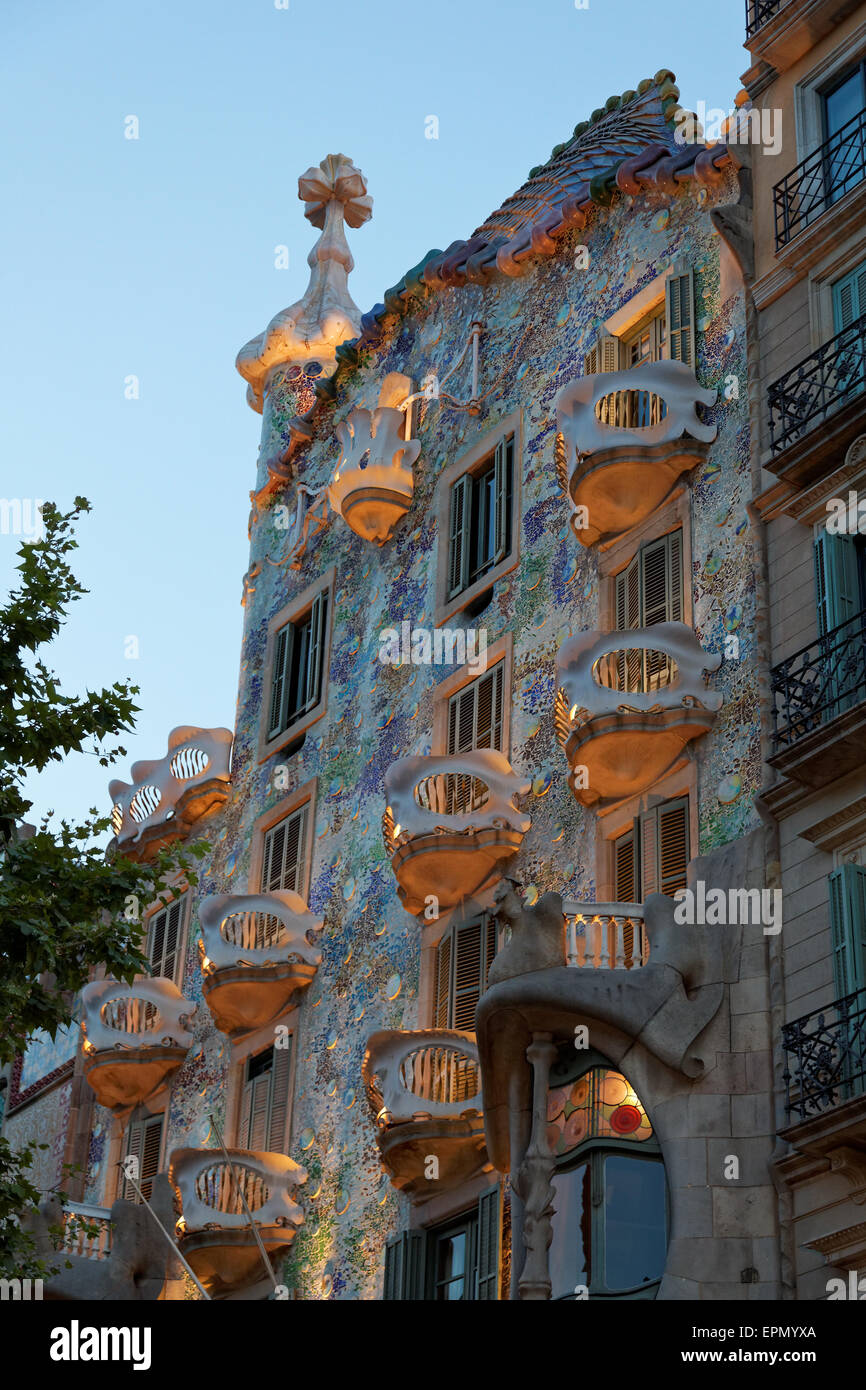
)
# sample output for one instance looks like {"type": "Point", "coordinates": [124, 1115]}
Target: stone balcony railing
{"type": "Point", "coordinates": [135, 1036]}
{"type": "Point", "coordinates": [167, 796]}
{"type": "Point", "coordinates": [623, 440]}
{"type": "Point", "coordinates": [605, 936]}
{"type": "Point", "coordinates": [257, 952]}
{"type": "Point", "coordinates": [424, 1090]}
{"type": "Point", "coordinates": [86, 1231]}
{"type": "Point", "coordinates": [627, 704]}
{"type": "Point", "coordinates": [216, 1193]}
{"type": "Point", "coordinates": [451, 824]}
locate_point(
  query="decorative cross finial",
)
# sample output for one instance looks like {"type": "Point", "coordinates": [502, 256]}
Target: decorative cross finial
{"type": "Point", "coordinates": [311, 330]}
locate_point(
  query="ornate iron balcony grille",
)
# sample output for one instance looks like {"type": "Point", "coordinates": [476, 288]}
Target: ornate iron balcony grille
{"type": "Point", "coordinates": [823, 382]}
{"type": "Point", "coordinates": [758, 12]}
{"type": "Point", "coordinates": [825, 1056]}
{"type": "Point", "coordinates": [820, 180]}
{"type": "Point", "coordinates": [819, 682]}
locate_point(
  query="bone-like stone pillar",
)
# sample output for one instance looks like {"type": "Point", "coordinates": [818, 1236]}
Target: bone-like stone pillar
{"type": "Point", "coordinates": [532, 1182]}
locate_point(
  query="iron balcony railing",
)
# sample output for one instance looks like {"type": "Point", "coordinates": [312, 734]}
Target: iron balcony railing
{"type": "Point", "coordinates": [758, 12]}
{"type": "Point", "coordinates": [829, 378]}
{"type": "Point", "coordinates": [820, 180]}
{"type": "Point", "coordinates": [819, 682]}
{"type": "Point", "coordinates": [825, 1056]}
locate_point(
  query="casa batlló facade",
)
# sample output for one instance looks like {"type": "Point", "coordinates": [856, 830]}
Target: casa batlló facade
{"type": "Point", "coordinates": [439, 1020]}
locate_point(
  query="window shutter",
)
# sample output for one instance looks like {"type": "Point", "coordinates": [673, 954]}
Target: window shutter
{"type": "Point", "coordinates": [443, 982]}
{"type": "Point", "coordinates": [628, 615]}
{"type": "Point", "coordinates": [458, 539]}
{"type": "Point", "coordinates": [489, 1236]}
{"type": "Point", "coordinates": [280, 1081]}
{"type": "Point", "coordinates": [285, 852]}
{"type": "Point", "coordinates": [501, 488]}
{"type": "Point", "coordinates": [280, 686]}
{"type": "Point", "coordinates": [664, 847]}
{"type": "Point", "coordinates": [488, 709]}
{"type": "Point", "coordinates": [144, 1141]}
{"type": "Point", "coordinates": [470, 953]}
{"type": "Point", "coordinates": [404, 1267]}
{"type": "Point", "coordinates": [661, 585]}
{"type": "Point", "coordinates": [625, 873]}
{"type": "Point", "coordinates": [255, 1105]}
{"type": "Point", "coordinates": [847, 886]}
{"type": "Point", "coordinates": [680, 315]}
{"type": "Point", "coordinates": [315, 653]}
{"type": "Point", "coordinates": [849, 298]}
{"type": "Point", "coordinates": [603, 356]}
{"type": "Point", "coordinates": [837, 584]}
{"type": "Point", "coordinates": [165, 944]}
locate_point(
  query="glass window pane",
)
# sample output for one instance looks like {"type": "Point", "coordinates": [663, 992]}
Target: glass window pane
{"type": "Point", "coordinates": [570, 1252]}
{"type": "Point", "coordinates": [634, 1221]}
{"type": "Point", "coordinates": [451, 1267]}
{"type": "Point", "coordinates": [844, 103]}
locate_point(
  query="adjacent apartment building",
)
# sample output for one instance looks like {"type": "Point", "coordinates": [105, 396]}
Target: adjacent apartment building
{"type": "Point", "coordinates": [808, 415]}
{"type": "Point", "coordinates": [485, 991]}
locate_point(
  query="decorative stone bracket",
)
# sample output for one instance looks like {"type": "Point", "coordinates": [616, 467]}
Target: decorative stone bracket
{"type": "Point", "coordinates": [373, 482]}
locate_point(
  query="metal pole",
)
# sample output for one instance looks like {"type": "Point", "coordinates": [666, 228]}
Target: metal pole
{"type": "Point", "coordinates": [259, 1242]}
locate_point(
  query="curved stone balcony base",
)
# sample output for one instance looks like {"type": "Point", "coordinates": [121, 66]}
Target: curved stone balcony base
{"type": "Point", "coordinates": [246, 997]}
{"type": "Point", "coordinates": [226, 1261]}
{"type": "Point", "coordinates": [620, 487]}
{"type": "Point", "coordinates": [623, 754]}
{"type": "Point", "coordinates": [374, 512]}
{"type": "Point", "coordinates": [457, 1144]}
{"type": "Point", "coordinates": [124, 1078]}
{"type": "Point", "coordinates": [452, 865]}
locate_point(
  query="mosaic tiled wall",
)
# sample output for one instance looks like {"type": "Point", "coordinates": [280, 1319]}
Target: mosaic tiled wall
{"type": "Point", "coordinates": [536, 330]}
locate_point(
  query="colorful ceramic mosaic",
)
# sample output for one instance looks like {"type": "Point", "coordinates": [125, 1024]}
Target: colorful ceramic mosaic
{"type": "Point", "coordinates": [601, 1105]}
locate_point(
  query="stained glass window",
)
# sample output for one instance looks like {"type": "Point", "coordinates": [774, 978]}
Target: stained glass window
{"type": "Point", "coordinates": [600, 1105]}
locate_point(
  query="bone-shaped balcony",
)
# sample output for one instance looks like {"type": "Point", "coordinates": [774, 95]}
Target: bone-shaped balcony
{"type": "Point", "coordinates": [257, 953]}
{"type": "Point", "coordinates": [167, 796]}
{"type": "Point", "coordinates": [222, 1199]}
{"type": "Point", "coordinates": [623, 441]}
{"type": "Point", "coordinates": [451, 824]}
{"type": "Point", "coordinates": [627, 704]}
{"type": "Point", "coordinates": [135, 1037]}
{"type": "Point", "coordinates": [424, 1090]}
{"type": "Point", "coordinates": [373, 482]}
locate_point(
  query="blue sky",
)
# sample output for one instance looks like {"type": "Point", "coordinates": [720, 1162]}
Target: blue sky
{"type": "Point", "coordinates": [155, 258]}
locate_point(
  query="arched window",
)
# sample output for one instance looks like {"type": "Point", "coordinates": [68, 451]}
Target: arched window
{"type": "Point", "coordinates": [610, 1226]}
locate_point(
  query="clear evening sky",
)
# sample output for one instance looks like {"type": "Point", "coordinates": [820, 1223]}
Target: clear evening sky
{"type": "Point", "coordinates": [155, 258]}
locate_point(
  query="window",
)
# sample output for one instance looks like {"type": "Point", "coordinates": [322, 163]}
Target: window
{"type": "Point", "coordinates": [166, 941]}
{"type": "Point", "coordinates": [653, 856]}
{"type": "Point", "coordinates": [284, 853]}
{"type": "Point", "coordinates": [475, 720]}
{"type": "Point", "coordinates": [298, 667]}
{"type": "Point", "coordinates": [479, 532]}
{"type": "Point", "coordinates": [840, 592]}
{"type": "Point", "coordinates": [610, 1203]}
{"type": "Point", "coordinates": [668, 330]}
{"type": "Point", "coordinates": [463, 958]}
{"type": "Point", "coordinates": [265, 1100]}
{"type": "Point", "coordinates": [455, 1262]}
{"type": "Point", "coordinates": [842, 107]}
{"type": "Point", "coordinates": [848, 928]}
{"type": "Point", "coordinates": [648, 591]}
{"type": "Point", "coordinates": [144, 1144]}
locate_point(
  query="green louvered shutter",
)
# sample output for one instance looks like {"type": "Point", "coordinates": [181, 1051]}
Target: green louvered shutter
{"type": "Point", "coordinates": [280, 681]}
{"type": "Point", "coordinates": [404, 1267]}
{"type": "Point", "coordinates": [680, 315]}
{"type": "Point", "coordinates": [489, 1239]}
{"type": "Point", "coordinates": [837, 584]}
{"type": "Point", "coordinates": [849, 298]}
{"type": "Point", "coordinates": [165, 941]}
{"type": "Point", "coordinates": [502, 467]}
{"type": "Point", "coordinates": [847, 887]}
{"type": "Point", "coordinates": [312, 677]}
{"type": "Point", "coordinates": [458, 536]}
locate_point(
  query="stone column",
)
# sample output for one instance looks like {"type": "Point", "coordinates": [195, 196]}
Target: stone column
{"type": "Point", "coordinates": [532, 1182]}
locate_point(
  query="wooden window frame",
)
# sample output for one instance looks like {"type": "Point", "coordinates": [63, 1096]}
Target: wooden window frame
{"type": "Point", "coordinates": [293, 613]}
{"type": "Point", "coordinates": [473, 461]}
{"type": "Point", "coordinates": [293, 801]}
